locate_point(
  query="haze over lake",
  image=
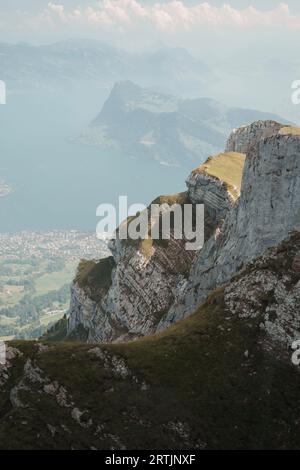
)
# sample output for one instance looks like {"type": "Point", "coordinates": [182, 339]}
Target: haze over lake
{"type": "Point", "coordinates": [57, 182]}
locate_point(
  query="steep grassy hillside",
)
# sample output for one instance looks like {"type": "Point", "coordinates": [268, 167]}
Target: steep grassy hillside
{"type": "Point", "coordinates": [290, 130]}
{"type": "Point", "coordinates": [95, 276]}
{"type": "Point", "coordinates": [210, 381]}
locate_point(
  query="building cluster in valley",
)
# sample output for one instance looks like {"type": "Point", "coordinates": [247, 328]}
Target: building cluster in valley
{"type": "Point", "coordinates": [71, 245]}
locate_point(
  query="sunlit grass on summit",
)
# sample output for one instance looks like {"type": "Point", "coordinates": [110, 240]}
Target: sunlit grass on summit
{"type": "Point", "coordinates": [227, 167]}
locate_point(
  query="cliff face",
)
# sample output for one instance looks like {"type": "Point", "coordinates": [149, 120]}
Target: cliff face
{"type": "Point", "coordinates": [267, 210]}
{"type": "Point", "coordinates": [217, 182]}
{"type": "Point", "coordinates": [269, 288]}
{"type": "Point", "coordinates": [143, 285]}
{"type": "Point", "coordinates": [147, 275]}
{"type": "Point", "coordinates": [243, 138]}
{"type": "Point", "coordinates": [151, 284]}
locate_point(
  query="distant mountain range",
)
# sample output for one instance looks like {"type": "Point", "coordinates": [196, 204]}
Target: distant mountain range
{"type": "Point", "coordinates": [24, 66]}
{"type": "Point", "coordinates": [176, 132]}
{"type": "Point", "coordinates": [83, 68]}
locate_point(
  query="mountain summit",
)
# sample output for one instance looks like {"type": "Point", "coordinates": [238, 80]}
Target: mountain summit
{"type": "Point", "coordinates": [173, 131]}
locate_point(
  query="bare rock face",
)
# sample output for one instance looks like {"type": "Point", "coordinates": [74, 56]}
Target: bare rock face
{"type": "Point", "coordinates": [147, 276]}
{"type": "Point", "coordinates": [268, 289]}
{"type": "Point", "coordinates": [150, 284]}
{"type": "Point", "coordinates": [268, 209]}
{"type": "Point", "coordinates": [218, 195]}
{"type": "Point", "coordinates": [142, 288]}
{"type": "Point", "coordinates": [243, 138]}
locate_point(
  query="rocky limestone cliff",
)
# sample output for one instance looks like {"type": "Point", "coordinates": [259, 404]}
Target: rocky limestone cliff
{"type": "Point", "coordinates": [243, 138]}
{"type": "Point", "coordinates": [217, 182]}
{"type": "Point", "coordinates": [145, 278]}
{"type": "Point", "coordinates": [150, 284]}
{"type": "Point", "coordinates": [268, 209]}
{"type": "Point", "coordinates": [269, 288]}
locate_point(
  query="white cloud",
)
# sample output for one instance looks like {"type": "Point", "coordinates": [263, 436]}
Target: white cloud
{"type": "Point", "coordinates": [57, 12]}
{"type": "Point", "coordinates": [131, 22]}
{"type": "Point", "coordinates": [174, 15]}
{"type": "Point", "coordinates": [59, 9]}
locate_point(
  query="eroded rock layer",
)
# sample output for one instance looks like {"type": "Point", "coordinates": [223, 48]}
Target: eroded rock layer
{"type": "Point", "coordinates": [267, 210]}
{"type": "Point", "coordinates": [251, 195]}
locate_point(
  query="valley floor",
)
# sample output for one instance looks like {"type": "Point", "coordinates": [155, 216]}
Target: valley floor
{"type": "Point", "coordinates": [36, 269]}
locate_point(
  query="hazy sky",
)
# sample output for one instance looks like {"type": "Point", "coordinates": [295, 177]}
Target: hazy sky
{"type": "Point", "coordinates": [38, 4]}
{"type": "Point", "coordinates": [142, 22]}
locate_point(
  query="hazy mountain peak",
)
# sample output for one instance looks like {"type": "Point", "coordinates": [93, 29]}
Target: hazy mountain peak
{"type": "Point", "coordinates": [172, 130]}
{"type": "Point", "coordinates": [125, 89]}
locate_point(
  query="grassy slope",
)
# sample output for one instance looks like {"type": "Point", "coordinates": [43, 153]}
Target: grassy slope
{"type": "Point", "coordinates": [189, 386]}
{"type": "Point", "coordinates": [227, 167]}
{"type": "Point", "coordinates": [95, 276]}
{"type": "Point", "coordinates": [289, 130]}
{"type": "Point", "coordinates": [146, 246]}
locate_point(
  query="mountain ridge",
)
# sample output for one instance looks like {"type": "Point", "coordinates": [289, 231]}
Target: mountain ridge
{"type": "Point", "coordinates": [221, 378]}
{"type": "Point", "coordinates": [149, 290]}
{"type": "Point", "coordinates": [50, 66]}
{"type": "Point", "coordinates": [143, 122]}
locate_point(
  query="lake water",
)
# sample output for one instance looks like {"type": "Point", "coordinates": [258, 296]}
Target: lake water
{"type": "Point", "coordinates": [57, 182]}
